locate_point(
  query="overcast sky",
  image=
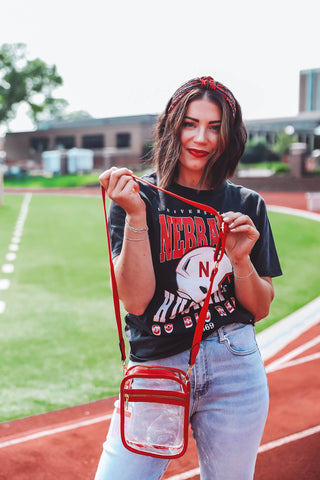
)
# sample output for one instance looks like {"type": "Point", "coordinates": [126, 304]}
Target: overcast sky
{"type": "Point", "coordinates": [126, 57]}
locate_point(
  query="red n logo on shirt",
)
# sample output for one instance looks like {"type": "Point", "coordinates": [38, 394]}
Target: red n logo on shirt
{"type": "Point", "coordinates": [204, 268]}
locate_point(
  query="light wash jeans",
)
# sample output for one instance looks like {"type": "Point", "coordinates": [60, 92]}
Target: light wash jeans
{"type": "Point", "coordinates": [228, 410]}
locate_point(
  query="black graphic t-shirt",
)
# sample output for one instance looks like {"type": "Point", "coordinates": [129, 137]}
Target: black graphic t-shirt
{"type": "Point", "coordinates": [183, 240]}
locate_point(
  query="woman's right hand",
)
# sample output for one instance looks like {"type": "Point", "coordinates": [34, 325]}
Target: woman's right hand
{"type": "Point", "coordinates": [121, 187]}
{"type": "Point", "coordinates": [134, 265]}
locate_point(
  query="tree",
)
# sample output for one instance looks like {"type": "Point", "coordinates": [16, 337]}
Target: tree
{"type": "Point", "coordinates": [27, 81]}
{"type": "Point", "coordinates": [74, 115]}
{"type": "Point", "coordinates": [256, 151]}
{"type": "Point", "coordinates": [282, 142]}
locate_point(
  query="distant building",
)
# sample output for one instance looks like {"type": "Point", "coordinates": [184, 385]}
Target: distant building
{"type": "Point", "coordinates": [309, 91]}
{"type": "Point", "coordinates": [114, 141]}
{"type": "Point", "coordinates": [306, 125]}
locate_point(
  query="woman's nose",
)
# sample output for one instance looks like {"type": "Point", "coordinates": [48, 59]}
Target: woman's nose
{"type": "Point", "coordinates": [200, 136]}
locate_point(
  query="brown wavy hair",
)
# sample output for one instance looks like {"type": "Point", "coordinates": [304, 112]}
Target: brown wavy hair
{"type": "Point", "coordinates": [167, 144]}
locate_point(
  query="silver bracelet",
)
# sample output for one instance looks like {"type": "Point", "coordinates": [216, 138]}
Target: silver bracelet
{"type": "Point", "coordinates": [136, 230]}
{"type": "Point", "coordinates": [136, 239]}
{"type": "Point", "coordinates": [245, 276]}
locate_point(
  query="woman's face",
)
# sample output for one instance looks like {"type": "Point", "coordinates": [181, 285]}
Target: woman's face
{"type": "Point", "coordinates": [199, 140]}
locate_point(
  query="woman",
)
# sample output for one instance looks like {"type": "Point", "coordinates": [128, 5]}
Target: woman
{"type": "Point", "coordinates": [162, 251]}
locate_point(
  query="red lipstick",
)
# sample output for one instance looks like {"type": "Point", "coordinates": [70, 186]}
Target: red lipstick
{"type": "Point", "coordinates": [197, 153]}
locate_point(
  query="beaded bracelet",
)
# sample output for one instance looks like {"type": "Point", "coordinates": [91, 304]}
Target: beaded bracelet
{"type": "Point", "coordinates": [136, 230]}
{"type": "Point", "coordinates": [245, 276]}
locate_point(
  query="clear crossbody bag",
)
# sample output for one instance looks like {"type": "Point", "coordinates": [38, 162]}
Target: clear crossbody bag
{"type": "Point", "coordinates": [154, 401]}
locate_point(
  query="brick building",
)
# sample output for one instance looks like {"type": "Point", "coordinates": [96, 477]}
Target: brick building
{"type": "Point", "coordinates": [114, 141]}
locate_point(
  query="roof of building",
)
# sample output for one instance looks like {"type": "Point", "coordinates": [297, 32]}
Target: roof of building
{"type": "Point", "coordinates": [306, 121]}
{"type": "Point", "coordinates": [93, 122]}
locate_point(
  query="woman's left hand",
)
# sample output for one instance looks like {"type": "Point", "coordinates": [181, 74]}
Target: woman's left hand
{"type": "Point", "coordinates": [241, 237]}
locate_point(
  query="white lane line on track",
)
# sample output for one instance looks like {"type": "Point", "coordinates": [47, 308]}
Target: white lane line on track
{"type": "Point", "coordinates": [285, 359]}
{"type": "Point", "coordinates": [53, 431]}
{"type": "Point", "coordinates": [264, 448]}
{"type": "Point", "coordinates": [186, 475]}
{"type": "Point", "coordinates": [299, 361]}
{"type": "Point", "coordinates": [290, 438]}
{"type": "Point", "coordinates": [103, 418]}
{"type": "Point", "coordinates": [280, 334]}
{"type": "Point", "coordinates": [295, 211]}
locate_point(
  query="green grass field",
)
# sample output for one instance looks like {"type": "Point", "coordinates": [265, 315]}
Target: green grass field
{"type": "Point", "coordinates": [297, 241]}
{"type": "Point", "coordinates": [58, 335]}
{"type": "Point", "coordinates": [56, 181]}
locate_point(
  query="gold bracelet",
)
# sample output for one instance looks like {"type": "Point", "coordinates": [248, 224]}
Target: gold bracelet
{"type": "Point", "coordinates": [136, 239]}
{"type": "Point", "coordinates": [136, 230]}
{"type": "Point", "coordinates": [245, 276]}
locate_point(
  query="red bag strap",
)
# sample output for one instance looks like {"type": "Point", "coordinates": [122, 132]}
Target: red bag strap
{"type": "Point", "coordinates": [115, 295]}
{"type": "Point", "coordinates": [218, 254]}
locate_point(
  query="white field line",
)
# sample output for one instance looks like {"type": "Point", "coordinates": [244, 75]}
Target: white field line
{"type": "Point", "coordinates": [2, 306]}
{"type": "Point", "coordinates": [264, 448]}
{"type": "Point", "coordinates": [8, 268]}
{"type": "Point", "coordinates": [4, 283]}
{"type": "Point", "coordinates": [53, 431]}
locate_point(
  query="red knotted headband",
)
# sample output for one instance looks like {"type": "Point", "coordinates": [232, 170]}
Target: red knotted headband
{"type": "Point", "coordinates": [208, 83]}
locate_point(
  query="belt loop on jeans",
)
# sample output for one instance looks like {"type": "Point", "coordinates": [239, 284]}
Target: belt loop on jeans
{"type": "Point", "coordinates": [222, 337]}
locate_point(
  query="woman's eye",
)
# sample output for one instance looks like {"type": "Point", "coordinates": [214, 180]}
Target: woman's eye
{"type": "Point", "coordinates": [215, 128]}
{"type": "Point", "coordinates": [188, 124]}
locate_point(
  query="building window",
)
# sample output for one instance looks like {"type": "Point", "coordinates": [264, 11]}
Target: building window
{"type": "Point", "coordinates": [39, 144]}
{"type": "Point", "coordinates": [65, 142]}
{"type": "Point", "coordinates": [123, 140]}
{"type": "Point", "coordinates": [93, 141]}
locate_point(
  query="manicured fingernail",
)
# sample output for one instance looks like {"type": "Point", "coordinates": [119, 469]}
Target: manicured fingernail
{"type": "Point", "coordinates": [226, 219]}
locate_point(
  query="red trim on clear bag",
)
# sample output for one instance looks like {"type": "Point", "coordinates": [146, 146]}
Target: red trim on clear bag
{"type": "Point", "coordinates": [180, 398]}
